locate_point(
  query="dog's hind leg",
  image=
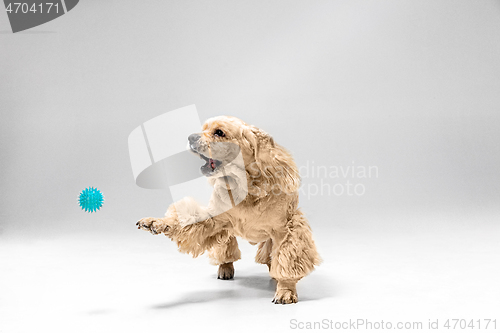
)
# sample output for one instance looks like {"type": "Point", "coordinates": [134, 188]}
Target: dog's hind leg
{"type": "Point", "coordinates": [263, 255]}
{"type": "Point", "coordinates": [224, 254]}
{"type": "Point", "coordinates": [293, 256]}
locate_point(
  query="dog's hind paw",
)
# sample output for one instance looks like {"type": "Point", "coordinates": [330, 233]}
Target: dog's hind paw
{"type": "Point", "coordinates": [226, 271]}
{"type": "Point", "coordinates": [285, 297]}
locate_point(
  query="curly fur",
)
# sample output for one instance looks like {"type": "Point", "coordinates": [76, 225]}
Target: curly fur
{"type": "Point", "coordinates": [268, 214]}
{"type": "Point", "coordinates": [295, 256]}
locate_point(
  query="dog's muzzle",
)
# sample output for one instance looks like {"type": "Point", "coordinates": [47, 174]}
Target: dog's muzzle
{"type": "Point", "coordinates": [211, 164]}
{"type": "Point", "coordinates": [194, 142]}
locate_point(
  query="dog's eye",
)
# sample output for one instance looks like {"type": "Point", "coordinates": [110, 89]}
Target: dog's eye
{"type": "Point", "coordinates": [219, 133]}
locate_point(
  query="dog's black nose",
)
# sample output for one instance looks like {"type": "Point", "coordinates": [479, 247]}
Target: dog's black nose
{"type": "Point", "coordinates": [193, 138]}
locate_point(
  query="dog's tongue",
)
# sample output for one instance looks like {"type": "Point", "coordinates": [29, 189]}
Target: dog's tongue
{"type": "Point", "coordinates": [212, 164]}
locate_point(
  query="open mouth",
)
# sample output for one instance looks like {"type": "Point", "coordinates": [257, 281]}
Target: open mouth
{"type": "Point", "coordinates": [210, 164]}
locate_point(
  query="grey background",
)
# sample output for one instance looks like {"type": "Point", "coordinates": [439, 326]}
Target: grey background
{"type": "Point", "coordinates": [411, 87]}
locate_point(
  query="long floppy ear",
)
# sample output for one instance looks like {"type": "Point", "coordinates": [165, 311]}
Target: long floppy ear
{"type": "Point", "coordinates": [276, 169]}
{"type": "Point", "coordinates": [251, 135]}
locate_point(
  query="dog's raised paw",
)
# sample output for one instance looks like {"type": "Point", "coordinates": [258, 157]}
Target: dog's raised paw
{"type": "Point", "coordinates": [152, 224]}
{"type": "Point", "coordinates": [285, 296]}
{"type": "Point", "coordinates": [226, 271]}
{"type": "Point", "coordinates": [145, 223]}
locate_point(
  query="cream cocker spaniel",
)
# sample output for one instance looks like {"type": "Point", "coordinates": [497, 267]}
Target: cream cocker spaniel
{"type": "Point", "coordinates": [256, 200]}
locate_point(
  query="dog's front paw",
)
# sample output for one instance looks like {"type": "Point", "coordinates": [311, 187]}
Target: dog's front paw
{"type": "Point", "coordinates": [153, 224]}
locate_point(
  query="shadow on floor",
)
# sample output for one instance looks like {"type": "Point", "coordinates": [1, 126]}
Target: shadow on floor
{"type": "Point", "coordinates": [259, 282]}
{"type": "Point", "coordinates": [254, 286]}
{"type": "Point", "coordinates": [199, 297]}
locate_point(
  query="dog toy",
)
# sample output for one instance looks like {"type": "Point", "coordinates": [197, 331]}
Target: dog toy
{"type": "Point", "coordinates": [91, 199]}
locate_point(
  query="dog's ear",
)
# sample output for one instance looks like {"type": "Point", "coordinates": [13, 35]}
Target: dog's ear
{"type": "Point", "coordinates": [250, 139]}
{"type": "Point", "coordinates": [274, 169]}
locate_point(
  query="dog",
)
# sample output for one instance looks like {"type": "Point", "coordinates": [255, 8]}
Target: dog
{"type": "Point", "coordinates": [256, 200]}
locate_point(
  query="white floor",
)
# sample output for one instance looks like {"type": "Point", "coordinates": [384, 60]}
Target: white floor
{"type": "Point", "coordinates": [137, 282]}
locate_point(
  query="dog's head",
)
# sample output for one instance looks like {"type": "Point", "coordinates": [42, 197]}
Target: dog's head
{"type": "Point", "coordinates": [268, 166]}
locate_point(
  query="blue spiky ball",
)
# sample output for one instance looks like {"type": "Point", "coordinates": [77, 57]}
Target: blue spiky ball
{"type": "Point", "coordinates": [91, 199]}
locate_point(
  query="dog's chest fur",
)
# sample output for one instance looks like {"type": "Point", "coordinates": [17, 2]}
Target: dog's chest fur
{"type": "Point", "coordinates": [258, 222]}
